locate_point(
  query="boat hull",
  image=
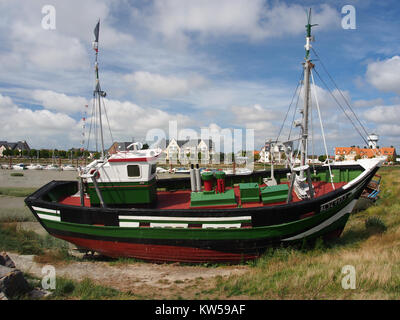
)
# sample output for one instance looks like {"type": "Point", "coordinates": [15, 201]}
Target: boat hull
{"type": "Point", "coordinates": [197, 235]}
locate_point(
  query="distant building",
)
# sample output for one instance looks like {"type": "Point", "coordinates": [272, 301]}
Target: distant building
{"type": "Point", "coordinates": [186, 150]}
{"type": "Point", "coordinates": [275, 150]}
{"type": "Point", "coordinates": [350, 153]}
{"type": "Point", "coordinates": [373, 140]}
{"type": "Point", "coordinates": [20, 146]}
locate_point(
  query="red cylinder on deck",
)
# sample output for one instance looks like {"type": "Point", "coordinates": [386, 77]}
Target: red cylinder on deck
{"type": "Point", "coordinates": [220, 175]}
{"type": "Point", "coordinates": [208, 178]}
{"type": "Point", "coordinates": [208, 185]}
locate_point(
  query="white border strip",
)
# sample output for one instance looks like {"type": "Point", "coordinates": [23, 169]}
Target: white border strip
{"type": "Point", "coordinates": [46, 210]}
{"type": "Point", "coordinates": [221, 226]}
{"type": "Point", "coordinates": [337, 216]}
{"type": "Point", "coordinates": [48, 217]}
{"type": "Point", "coordinates": [153, 218]}
{"type": "Point", "coordinates": [129, 224]}
{"type": "Point", "coordinates": [168, 225]}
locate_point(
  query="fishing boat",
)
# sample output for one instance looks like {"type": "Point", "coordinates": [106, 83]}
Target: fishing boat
{"type": "Point", "coordinates": [119, 208]}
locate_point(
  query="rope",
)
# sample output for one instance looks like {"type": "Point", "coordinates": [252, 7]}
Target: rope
{"type": "Point", "coordinates": [322, 129]}
{"type": "Point", "coordinates": [344, 98]}
{"type": "Point", "coordinates": [295, 109]}
{"type": "Point", "coordinates": [341, 107]}
{"type": "Point", "coordinates": [290, 106]}
{"type": "Point", "coordinates": [108, 122]}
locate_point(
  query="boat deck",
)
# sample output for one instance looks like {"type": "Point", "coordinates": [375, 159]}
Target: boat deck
{"type": "Point", "coordinates": [180, 199]}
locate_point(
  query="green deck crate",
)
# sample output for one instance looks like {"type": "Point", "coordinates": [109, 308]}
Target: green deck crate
{"type": "Point", "coordinates": [276, 193]}
{"type": "Point", "coordinates": [249, 192]}
{"type": "Point", "coordinates": [210, 198]}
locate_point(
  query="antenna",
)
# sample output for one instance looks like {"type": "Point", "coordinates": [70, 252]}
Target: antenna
{"type": "Point", "coordinates": [309, 38]}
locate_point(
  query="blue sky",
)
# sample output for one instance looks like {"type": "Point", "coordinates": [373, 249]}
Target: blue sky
{"type": "Point", "coordinates": [206, 64]}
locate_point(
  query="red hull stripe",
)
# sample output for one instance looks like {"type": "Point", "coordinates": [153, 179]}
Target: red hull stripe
{"type": "Point", "coordinates": [156, 253]}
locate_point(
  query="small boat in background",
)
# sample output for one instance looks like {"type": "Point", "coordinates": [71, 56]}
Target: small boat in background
{"type": "Point", "coordinates": [18, 166]}
{"type": "Point", "coordinates": [161, 170]}
{"type": "Point", "coordinates": [182, 171]}
{"type": "Point", "coordinates": [69, 168]}
{"type": "Point", "coordinates": [51, 167]}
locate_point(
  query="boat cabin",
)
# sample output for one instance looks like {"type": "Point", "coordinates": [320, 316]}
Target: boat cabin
{"type": "Point", "coordinates": [125, 178]}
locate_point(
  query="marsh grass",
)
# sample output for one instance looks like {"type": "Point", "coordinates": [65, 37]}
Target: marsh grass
{"type": "Point", "coordinates": [86, 289]}
{"type": "Point", "coordinates": [17, 192]}
{"type": "Point", "coordinates": [46, 248]}
{"type": "Point", "coordinates": [16, 215]}
{"type": "Point", "coordinates": [370, 243]}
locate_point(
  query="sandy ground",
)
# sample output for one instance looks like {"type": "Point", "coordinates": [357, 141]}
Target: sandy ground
{"type": "Point", "coordinates": [143, 279]}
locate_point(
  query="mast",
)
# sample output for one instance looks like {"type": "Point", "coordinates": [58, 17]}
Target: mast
{"type": "Point", "coordinates": [97, 93]}
{"type": "Point", "coordinates": [307, 65]}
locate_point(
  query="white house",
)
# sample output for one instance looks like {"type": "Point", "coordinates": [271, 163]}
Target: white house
{"type": "Point", "coordinates": [276, 150]}
{"type": "Point", "coordinates": [186, 151]}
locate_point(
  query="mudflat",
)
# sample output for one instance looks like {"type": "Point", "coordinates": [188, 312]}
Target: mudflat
{"type": "Point", "coordinates": [34, 178]}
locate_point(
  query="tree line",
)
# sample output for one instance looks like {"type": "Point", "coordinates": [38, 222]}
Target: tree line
{"type": "Point", "coordinates": [49, 153]}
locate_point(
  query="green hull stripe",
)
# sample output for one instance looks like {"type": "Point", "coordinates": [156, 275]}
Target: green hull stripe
{"type": "Point", "coordinates": [282, 230]}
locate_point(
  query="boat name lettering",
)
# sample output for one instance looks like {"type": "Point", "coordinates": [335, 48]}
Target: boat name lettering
{"type": "Point", "coordinates": [334, 202]}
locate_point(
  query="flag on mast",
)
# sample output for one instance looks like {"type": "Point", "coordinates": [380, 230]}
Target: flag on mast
{"type": "Point", "coordinates": [96, 31]}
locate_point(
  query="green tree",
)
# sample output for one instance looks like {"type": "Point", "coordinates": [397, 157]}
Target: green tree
{"type": "Point", "coordinates": [44, 153]}
{"type": "Point", "coordinates": [322, 158]}
{"type": "Point", "coordinates": [96, 155]}
{"type": "Point", "coordinates": [32, 153]}
{"type": "Point", "coordinates": [7, 152]}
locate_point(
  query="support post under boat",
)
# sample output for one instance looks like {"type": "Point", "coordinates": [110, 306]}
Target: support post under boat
{"type": "Point", "coordinates": [81, 193]}
{"type": "Point", "coordinates": [310, 186]}
{"type": "Point", "coordinates": [98, 192]}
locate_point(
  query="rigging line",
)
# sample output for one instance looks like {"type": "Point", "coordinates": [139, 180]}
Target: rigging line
{"type": "Point", "coordinates": [341, 107]}
{"type": "Point", "coordinates": [312, 136]}
{"type": "Point", "coordinates": [90, 127]}
{"type": "Point", "coordinates": [290, 106]}
{"type": "Point", "coordinates": [108, 122]}
{"type": "Point", "coordinates": [322, 129]}
{"type": "Point", "coordinates": [344, 98]}
{"type": "Point", "coordinates": [295, 109]}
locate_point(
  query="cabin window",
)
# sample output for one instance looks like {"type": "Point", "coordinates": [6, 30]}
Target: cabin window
{"type": "Point", "coordinates": [153, 168]}
{"type": "Point", "coordinates": [133, 170]}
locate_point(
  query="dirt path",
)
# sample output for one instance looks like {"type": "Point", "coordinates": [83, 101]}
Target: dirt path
{"type": "Point", "coordinates": [147, 280]}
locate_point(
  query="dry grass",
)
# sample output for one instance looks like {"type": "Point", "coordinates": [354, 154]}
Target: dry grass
{"type": "Point", "coordinates": [317, 273]}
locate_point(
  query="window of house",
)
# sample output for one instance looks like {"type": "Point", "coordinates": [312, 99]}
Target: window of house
{"type": "Point", "coordinates": [133, 170]}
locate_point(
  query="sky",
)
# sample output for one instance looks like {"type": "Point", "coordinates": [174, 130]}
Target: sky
{"type": "Point", "coordinates": [228, 64]}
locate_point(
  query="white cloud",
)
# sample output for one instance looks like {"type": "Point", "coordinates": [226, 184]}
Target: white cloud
{"type": "Point", "coordinates": [38, 127]}
{"type": "Point", "coordinates": [385, 75]}
{"type": "Point", "coordinates": [59, 101]}
{"type": "Point", "coordinates": [251, 19]}
{"type": "Point", "coordinates": [163, 86]}
{"type": "Point", "coordinates": [384, 114]}
{"type": "Point", "coordinates": [368, 103]}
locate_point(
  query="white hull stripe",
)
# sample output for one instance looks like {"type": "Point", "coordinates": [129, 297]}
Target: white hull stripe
{"type": "Point", "coordinates": [181, 225]}
{"type": "Point", "coordinates": [221, 226]}
{"type": "Point", "coordinates": [197, 219]}
{"type": "Point", "coordinates": [48, 217]}
{"type": "Point", "coordinates": [168, 225]}
{"type": "Point", "coordinates": [347, 209]}
{"type": "Point", "coordinates": [129, 224]}
{"type": "Point", "coordinates": [46, 210]}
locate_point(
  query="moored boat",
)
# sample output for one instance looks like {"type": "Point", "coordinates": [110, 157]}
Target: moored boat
{"type": "Point", "coordinates": [120, 208]}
